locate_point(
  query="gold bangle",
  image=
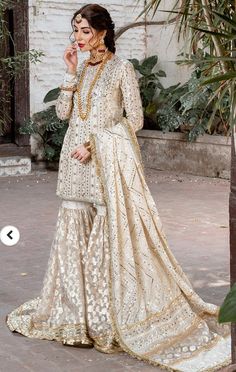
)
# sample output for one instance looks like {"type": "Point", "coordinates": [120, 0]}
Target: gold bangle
{"type": "Point", "coordinates": [69, 89]}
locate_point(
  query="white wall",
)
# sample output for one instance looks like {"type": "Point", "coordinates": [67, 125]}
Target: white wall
{"type": "Point", "coordinates": [163, 41]}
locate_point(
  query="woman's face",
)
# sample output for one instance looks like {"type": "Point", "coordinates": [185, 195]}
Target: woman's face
{"type": "Point", "coordinates": [85, 35]}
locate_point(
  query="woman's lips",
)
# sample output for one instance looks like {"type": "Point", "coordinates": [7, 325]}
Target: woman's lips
{"type": "Point", "coordinates": [81, 45]}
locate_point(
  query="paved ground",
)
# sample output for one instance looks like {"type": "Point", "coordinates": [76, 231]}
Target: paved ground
{"type": "Point", "coordinates": [194, 211]}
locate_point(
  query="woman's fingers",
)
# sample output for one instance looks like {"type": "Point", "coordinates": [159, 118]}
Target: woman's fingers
{"type": "Point", "coordinates": [71, 49]}
{"type": "Point", "coordinates": [70, 52]}
{"type": "Point", "coordinates": [77, 155]}
{"type": "Point", "coordinates": [70, 55]}
{"type": "Point", "coordinates": [85, 158]}
{"type": "Point", "coordinates": [80, 154]}
{"type": "Point", "coordinates": [73, 152]}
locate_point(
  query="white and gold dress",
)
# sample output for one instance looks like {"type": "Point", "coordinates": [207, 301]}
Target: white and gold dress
{"type": "Point", "coordinates": [112, 281]}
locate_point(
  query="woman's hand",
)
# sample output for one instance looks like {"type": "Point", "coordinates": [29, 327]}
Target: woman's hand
{"type": "Point", "coordinates": [81, 153]}
{"type": "Point", "coordinates": [71, 57]}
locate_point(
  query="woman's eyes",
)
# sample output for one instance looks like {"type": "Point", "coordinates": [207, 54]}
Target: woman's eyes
{"type": "Point", "coordinates": [85, 32]}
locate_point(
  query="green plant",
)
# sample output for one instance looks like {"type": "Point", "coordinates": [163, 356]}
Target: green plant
{"type": "Point", "coordinates": [149, 85]}
{"type": "Point", "coordinates": [184, 108]}
{"type": "Point", "coordinates": [181, 107]}
{"type": "Point", "coordinates": [228, 309]}
{"type": "Point", "coordinates": [50, 129]}
{"type": "Point", "coordinates": [149, 82]}
{"type": "Point", "coordinates": [211, 27]}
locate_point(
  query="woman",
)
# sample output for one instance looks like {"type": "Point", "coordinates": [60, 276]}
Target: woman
{"type": "Point", "coordinates": [112, 281]}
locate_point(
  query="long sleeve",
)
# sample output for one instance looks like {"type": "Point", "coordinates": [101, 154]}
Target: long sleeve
{"type": "Point", "coordinates": [65, 100]}
{"type": "Point", "coordinates": [131, 97]}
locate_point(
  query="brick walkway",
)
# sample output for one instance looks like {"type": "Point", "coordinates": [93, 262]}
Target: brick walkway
{"type": "Point", "coordinates": [194, 211]}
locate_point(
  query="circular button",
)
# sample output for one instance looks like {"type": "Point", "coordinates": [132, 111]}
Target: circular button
{"type": "Point", "coordinates": [9, 235]}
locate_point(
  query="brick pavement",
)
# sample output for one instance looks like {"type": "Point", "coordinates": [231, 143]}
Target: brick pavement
{"type": "Point", "coordinates": [194, 211]}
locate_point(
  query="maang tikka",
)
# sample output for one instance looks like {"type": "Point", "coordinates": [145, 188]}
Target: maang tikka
{"type": "Point", "coordinates": [78, 18]}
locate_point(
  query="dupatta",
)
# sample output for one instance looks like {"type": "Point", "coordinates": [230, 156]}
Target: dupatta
{"type": "Point", "coordinates": [157, 316]}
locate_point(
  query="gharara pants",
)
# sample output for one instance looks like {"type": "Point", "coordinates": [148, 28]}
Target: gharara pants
{"type": "Point", "coordinates": [73, 306]}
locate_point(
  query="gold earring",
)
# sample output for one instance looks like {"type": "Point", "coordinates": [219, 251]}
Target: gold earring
{"type": "Point", "coordinates": [101, 45]}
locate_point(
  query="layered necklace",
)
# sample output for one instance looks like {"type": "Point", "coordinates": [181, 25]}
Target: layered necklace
{"type": "Point", "coordinates": [84, 114]}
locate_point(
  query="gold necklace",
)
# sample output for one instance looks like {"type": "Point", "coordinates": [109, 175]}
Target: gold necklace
{"type": "Point", "coordinates": [84, 115]}
{"type": "Point", "coordinates": [98, 57]}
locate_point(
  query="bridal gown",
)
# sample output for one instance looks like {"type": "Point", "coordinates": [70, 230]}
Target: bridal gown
{"type": "Point", "coordinates": [111, 280]}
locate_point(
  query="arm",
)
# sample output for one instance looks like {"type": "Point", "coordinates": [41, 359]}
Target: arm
{"type": "Point", "coordinates": [65, 99]}
{"type": "Point", "coordinates": [131, 97]}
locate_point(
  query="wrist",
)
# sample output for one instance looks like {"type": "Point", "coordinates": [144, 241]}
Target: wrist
{"type": "Point", "coordinates": [71, 71]}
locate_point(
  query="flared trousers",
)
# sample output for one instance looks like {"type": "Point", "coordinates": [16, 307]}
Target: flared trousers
{"type": "Point", "coordinates": [74, 303]}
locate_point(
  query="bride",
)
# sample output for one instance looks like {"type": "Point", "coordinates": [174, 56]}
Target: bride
{"type": "Point", "coordinates": [112, 282]}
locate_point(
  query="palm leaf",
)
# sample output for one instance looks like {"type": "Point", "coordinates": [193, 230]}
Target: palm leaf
{"type": "Point", "coordinates": [205, 60]}
{"type": "Point", "coordinates": [217, 105]}
{"type": "Point", "coordinates": [214, 33]}
{"type": "Point", "coordinates": [153, 4]}
{"type": "Point", "coordinates": [229, 21]}
{"type": "Point", "coordinates": [218, 78]}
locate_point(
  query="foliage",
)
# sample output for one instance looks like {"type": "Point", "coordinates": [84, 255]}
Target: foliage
{"type": "Point", "coordinates": [149, 81]}
{"type": "Point", "coordinates": [184, 108]}
{"type": "Point", "coordinates": [52, 95]}
{"type": "Point", "coordinates": [149, 85]}
{"type": "Point", "coordinates": [50, 129]}
{"type": "Point", "coordinates": [211, 27]}
{"type": "Point", "coordinates": [228, 309]}
{"type": "Point", "coordinates": [181, 107]}
{"type": "Point", "coordinates": [15, 65]}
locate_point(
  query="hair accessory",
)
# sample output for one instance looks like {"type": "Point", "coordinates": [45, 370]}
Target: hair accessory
{"type": "Point", "coordinates": [78, 18]}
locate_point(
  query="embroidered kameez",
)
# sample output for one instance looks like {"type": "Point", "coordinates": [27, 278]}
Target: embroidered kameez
{"type": "Point", "coordinates": [112, 280]}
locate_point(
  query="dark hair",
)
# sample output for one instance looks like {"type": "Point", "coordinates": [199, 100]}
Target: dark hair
{"type": "Point", "coordinates": [100, 19]}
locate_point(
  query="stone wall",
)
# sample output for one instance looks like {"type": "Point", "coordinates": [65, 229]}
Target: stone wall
{"type": "Point", "coordinates": [208, 156]}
